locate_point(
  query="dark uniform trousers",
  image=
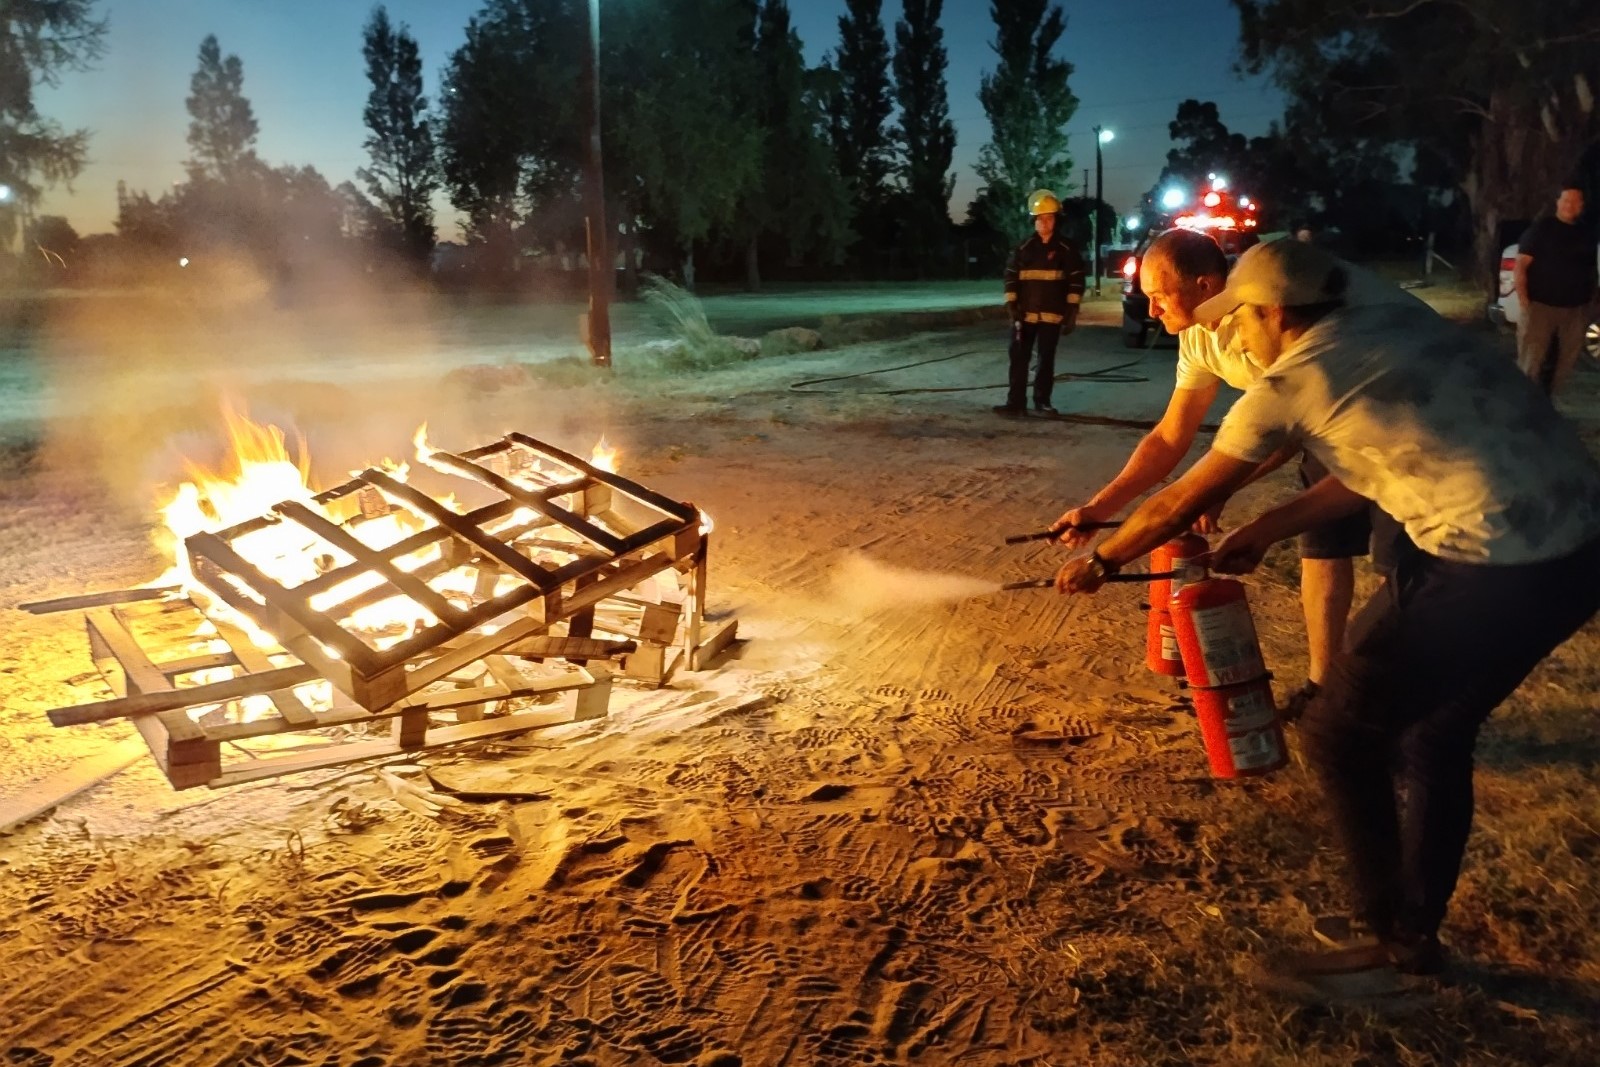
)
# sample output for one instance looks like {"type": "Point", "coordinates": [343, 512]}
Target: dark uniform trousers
{"type": "Point", "coordinates": [1025, 336]}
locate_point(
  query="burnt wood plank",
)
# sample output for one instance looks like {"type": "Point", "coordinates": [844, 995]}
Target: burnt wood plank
{"type": "Point", "coordinates": [474, 536]}
{"type": "Point", "coordinates": [372, 560]}
{"type": "Point", "coordinates": [537, 501]}
{"type": "Point", "coordinates": [223, 560]}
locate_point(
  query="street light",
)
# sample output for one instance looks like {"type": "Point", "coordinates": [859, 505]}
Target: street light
{"type": "Point", "coordinates": [600, 267]}
{"type": "Point", "coordinates": [1101, 137]}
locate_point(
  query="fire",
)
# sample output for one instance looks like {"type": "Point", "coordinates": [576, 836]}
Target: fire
{"type": "Point", "coordinates": [604, 456]}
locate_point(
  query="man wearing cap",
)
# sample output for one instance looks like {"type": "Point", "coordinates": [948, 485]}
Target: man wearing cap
{"type": "Point", "coordinates": [1181, 269]}
{"type": "Point", "coordinates": [1502, 502]}
{"type": "Point", "coordinates": [1044, 286]}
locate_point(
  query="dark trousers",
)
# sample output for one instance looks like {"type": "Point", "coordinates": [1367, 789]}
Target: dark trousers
{"type": "Point", "coordinates": [1023, 335]}
{"type": "Point", "coordinates": [1437, 649]}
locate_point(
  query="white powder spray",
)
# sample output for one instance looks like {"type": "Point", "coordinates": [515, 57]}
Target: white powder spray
{"type": "Point", "coordinates": [862, 585]}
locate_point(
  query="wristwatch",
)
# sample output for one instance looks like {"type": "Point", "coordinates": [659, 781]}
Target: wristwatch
{"type": "Point", "coordinates": [1101, 567]}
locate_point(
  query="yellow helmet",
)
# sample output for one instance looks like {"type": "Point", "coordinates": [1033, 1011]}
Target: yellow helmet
{"type": "Point", "coordinates": [1043, 202]}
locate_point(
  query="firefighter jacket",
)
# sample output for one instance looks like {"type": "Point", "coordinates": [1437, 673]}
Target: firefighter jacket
{"type": "Point", "coordinates": [1044, 280]}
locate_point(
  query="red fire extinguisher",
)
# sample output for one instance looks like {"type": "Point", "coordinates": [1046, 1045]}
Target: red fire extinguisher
{"type": "Point", "coordinates": [1228, 679]}
{"type": "Point", "coordinates": [1161, 653]}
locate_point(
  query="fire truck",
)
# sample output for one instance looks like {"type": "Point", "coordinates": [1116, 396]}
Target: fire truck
{"type": "Point", "coordinates": [1228, 216]}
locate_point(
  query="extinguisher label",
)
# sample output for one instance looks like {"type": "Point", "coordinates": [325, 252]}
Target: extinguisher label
{"type": "Point", "coordinates": [1258, 748]}
{"type": "Point", "coordinates": [1228, 645]}
{"type": "Point", "coordinates": [1169, 645]}
{"type": "Point", "coordinates": [1250, 710]}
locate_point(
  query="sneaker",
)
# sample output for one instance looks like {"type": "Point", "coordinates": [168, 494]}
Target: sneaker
{"type": "Point", "coordinates": [1009, 411]}
{"type": "Point", "coordinates": [1295, 704]}
{"type": "Point", "coordinates": [1044, 409]}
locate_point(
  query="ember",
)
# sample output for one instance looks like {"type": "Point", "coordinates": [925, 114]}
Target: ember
{"type": "Point", "coordinates": [291, 610]}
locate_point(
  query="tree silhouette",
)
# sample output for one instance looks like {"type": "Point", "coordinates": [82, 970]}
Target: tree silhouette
{"type": "Point", "coordinates": [404, 174]}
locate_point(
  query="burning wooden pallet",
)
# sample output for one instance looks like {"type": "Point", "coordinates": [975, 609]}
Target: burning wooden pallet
{"type": "Point", "coordinates": [375, 600]}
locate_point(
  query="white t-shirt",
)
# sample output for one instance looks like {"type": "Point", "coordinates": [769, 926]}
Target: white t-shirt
{"type": "Point", "coordinates": [1206, 355]}
{"type": "Point", "coordinates": [1440, 430]}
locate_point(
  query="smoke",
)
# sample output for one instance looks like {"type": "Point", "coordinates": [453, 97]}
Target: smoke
{"type": "Point", "coordinates": [861, 585]}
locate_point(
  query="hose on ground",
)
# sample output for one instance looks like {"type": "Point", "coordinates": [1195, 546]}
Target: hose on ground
{"type": "Point", "coordinates": [1102, 376]}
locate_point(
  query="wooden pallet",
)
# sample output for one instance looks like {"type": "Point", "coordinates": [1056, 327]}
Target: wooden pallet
{"type": "Point", "coordinates": [565, 566]}
{"type": "Point", "coordinates": [547, 547]}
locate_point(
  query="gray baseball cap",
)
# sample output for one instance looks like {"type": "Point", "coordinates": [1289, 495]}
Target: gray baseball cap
{"type": "Point", "coordinates": [1278, 274]}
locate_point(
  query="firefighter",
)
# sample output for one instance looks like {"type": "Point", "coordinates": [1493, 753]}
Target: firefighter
{"type": "Point", "coordinates": [1501, 499]}
{"type": "Point", "coordinates": [1044, 286]}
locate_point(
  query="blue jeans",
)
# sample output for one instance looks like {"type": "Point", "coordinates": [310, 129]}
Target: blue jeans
{"type": "Point", "coordinates": [1432, 654]}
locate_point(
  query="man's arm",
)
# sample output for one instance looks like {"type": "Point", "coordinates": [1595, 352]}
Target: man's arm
{"type": "Point", "coordinates": [1241, 551]}
{"type": "Point", "coordinates": [1213, 479]}
{"type": "Point", "coordinates": [1520, 274]}
{"type": "Point", "coordinates": [1157, 455]}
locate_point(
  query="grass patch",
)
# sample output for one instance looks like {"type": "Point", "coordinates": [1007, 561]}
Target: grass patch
{"type": "Point", "coordinates": [692, 344]}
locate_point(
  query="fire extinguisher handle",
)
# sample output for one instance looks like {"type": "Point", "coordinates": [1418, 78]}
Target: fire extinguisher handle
{"type": "Point", "coordinates": [1056, 531]}
{"type": "Point", "coordinates": [1030, 583]}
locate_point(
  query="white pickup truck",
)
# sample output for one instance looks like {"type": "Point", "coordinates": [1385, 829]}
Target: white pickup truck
{"type": "Point", "coordinates": [1506, 310]}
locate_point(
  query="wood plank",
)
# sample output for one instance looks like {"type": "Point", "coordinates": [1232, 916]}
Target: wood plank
{"type": "Point", "coordinates": [254, 660]}
{"type": "Point", "coordinates": [144, 704]}
{"type": "Point", "coordinates": [36, 798]}
{"type": "Point", "coordinates": [355, 752]}
{"type": "Point", "coordinates": [102, 600]}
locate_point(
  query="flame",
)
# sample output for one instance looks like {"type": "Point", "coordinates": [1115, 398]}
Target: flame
{"type": "Point", "coordinates": [604, 456]}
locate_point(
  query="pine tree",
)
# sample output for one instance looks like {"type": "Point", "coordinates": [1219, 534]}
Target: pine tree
{"type": "Point", "coordinates": [404, 174]}
{"type": "Point", "coordinates": [859, 111]}
{"type": "Point", "coordinates": [1029, 103]}
{"type": "Point", "coordinates": [222, 125]}
{"type": "Point", "coordinates": [39, 40]}
{"type": "Point", "coordinates": [925, 139]}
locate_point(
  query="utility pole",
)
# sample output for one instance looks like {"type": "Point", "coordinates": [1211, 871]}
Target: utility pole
{"type": "Point", "coordinates": [1101, 137]}
{"type": "Point", "coordinates": [600, 269]}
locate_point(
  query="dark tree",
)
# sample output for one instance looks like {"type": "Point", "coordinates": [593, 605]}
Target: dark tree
{"type": "Point", "coordinates": [404, 174]}
{"type": "Point", "coordinates": [800, 207]}
{"type": "Point", "coordinates": [687, 146]}
{"type": "Point", "coordinates": [222, 125]}
{"type": "Point", "coordinates": [1498, 92]}
{"type": "Point", "coordinates": [859, 112]}
{"type": "Point", "coordinates": [39, 41]}
{"type": "Point", "coordinates": [1029, 103]}
{"type": "Point", "coordinates": [925, 139]}
{"type": "Point", "coordinates": [509, 140]}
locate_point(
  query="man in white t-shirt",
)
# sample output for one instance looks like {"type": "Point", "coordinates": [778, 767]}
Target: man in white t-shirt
{"type": "Point", "coordinates": [1502, 501]}
{"type": "Point", "coordinates": [1180, 269]}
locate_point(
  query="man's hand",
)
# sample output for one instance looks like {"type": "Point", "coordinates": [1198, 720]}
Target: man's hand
{"type": "Point", "coordinates": [1240, 552]}
{"type": "Point", "coordinates": [1085, 575]}
{"type": "Point", "coordinates": [1069, 322]}
{"type": "Point", "coordinates": [1072, 535]}
{"type": "Point", "coordinates": [1210, 522]}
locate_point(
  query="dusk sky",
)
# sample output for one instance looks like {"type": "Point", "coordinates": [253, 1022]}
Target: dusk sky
{"type": "Point", "coordinates": [304, 76]}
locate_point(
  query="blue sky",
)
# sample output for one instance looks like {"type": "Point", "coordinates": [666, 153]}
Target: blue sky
{"type": "Point", "coordinates": [303, 74]}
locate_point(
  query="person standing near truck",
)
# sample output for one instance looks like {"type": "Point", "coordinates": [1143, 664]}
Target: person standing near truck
{"type": "Point", "coordinates": [1044, 286]}
{"type": "Point", "coordinates": [1555, 279]}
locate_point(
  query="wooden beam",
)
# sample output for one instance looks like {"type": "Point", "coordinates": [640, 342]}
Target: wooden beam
{"type": "Point", "coordinates": [102, 600]}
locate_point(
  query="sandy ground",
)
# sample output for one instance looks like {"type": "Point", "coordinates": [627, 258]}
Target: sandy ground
{"type": "Point", "coordinates": [888, 829]}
